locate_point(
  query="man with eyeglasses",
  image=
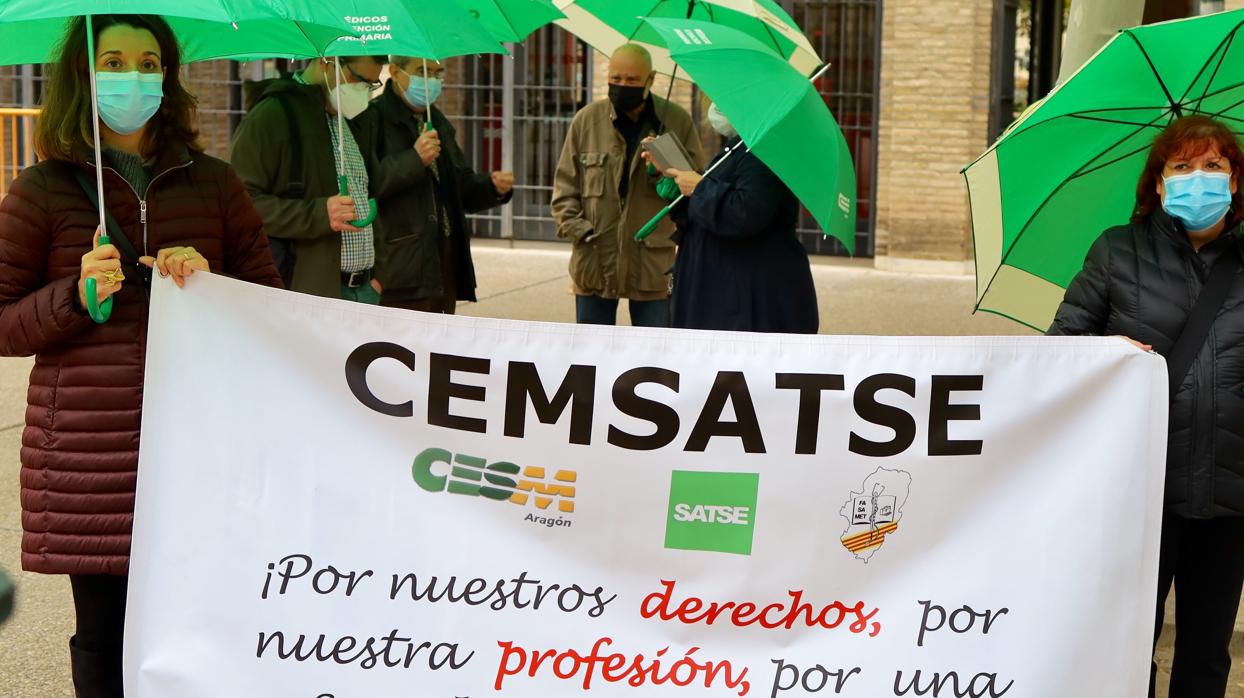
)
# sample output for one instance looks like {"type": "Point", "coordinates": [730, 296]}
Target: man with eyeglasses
{"type": "Point", "coordinates": [288, 153]}
{"type": "Point", "coordinates": [423, 237]}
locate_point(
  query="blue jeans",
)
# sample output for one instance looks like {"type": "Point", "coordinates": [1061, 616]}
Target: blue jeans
{"type": "Point", "coordinates": [594, 310]}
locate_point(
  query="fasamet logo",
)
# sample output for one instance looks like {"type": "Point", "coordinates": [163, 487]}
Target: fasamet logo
{"type": "Point", "coordinates": [715, 512]}
{"type": "Point", "coordinates": [438, 470]}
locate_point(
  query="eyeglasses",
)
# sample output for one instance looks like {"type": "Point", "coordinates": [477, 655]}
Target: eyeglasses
{"type": "Point", "coordinates": [373, 84]}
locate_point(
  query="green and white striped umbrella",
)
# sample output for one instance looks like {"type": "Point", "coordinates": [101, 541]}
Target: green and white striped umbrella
{"type": "Point", "coordinates": [608, 24]}
{"type": "Point", "coordinates": [1068, 168]}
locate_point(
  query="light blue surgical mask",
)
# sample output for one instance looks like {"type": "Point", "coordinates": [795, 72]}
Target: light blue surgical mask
{"type": "Point", "coordinates": [127, 101]}
{"type": "Point", "coordinates": [1199, 199]}
{"type": "Point", "coordinates": [421, 95]}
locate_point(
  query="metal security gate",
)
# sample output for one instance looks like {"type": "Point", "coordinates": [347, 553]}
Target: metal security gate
{"type": "Point", "coordinates": [847, 34]}
{"type": "Point", "coordinates": [513, 113]}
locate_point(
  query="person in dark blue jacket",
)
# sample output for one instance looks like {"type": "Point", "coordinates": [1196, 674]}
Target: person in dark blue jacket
{"type": "Point", "coordinates": [740, 264]}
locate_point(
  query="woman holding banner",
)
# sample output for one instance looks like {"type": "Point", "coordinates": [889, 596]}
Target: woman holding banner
{"type": "Point", "coordinates": [1171, 282]}
{"type": "Point", "coordinates": [172, 209]}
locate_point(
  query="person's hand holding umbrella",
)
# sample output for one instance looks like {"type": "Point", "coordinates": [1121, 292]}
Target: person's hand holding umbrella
{"type": "Point", "coordinates": [102, 266]}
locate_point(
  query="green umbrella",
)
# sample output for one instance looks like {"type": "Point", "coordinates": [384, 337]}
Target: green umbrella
{"type": "Point", "coordinates": [34, 30]}
{"type": "Point", "coordinates": [512, 20]}
{"type": "Point", "coordinates": [436, 29]}
{"type": "Point", "coordinates": [36, 41]}
{"type": "Point", "coordinates": [425, 28]}
{"type": "Point", "coordinates": [607, 24]}
{"type": "Point", "coordinates": [778, 113]}
{"type": "Point", "coordinates": [1067, 169]}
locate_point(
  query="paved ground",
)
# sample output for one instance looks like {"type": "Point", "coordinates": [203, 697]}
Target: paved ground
{"type": "Point", "coordinates": [528, 283]}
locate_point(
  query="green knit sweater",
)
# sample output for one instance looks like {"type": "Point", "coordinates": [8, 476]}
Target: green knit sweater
{"type": "Point", "coordinates": [132, 168]}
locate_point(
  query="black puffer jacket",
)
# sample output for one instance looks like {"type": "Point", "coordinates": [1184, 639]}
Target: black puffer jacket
{"type": "Point", "coordinates": [1141, 281]}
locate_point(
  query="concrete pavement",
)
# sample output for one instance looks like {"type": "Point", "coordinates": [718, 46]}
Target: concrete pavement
{"type": "Point", "coordinates": [529, 283]}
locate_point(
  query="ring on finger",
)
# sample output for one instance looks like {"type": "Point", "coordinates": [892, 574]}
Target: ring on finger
{"type": "Point", "coordinates": [111, 278]}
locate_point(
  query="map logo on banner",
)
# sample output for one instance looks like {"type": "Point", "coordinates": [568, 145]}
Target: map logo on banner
{"type": "Point", "coordinates": [715, 512]}
{"type": "Point", "coordinates": [873, 512]}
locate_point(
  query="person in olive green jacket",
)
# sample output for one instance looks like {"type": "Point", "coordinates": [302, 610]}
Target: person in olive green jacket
{"type": "Point", "coordinates": [423, 241]}
{"type": "Point", "coordinates": [308, 223]}
{"type": "Point", "coordinates": [603, 193]}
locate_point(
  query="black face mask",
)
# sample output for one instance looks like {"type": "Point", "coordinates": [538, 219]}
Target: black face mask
{"type": "Point", "coordinates": [626, 98]}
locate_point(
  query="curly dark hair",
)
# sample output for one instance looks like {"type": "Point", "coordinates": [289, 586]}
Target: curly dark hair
{"type": "Point", "coordinates": [64, 128]}
{"type": "Point", "coordinates": [1188, 137]}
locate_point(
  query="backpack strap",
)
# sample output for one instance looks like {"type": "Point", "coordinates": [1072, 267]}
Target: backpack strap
{"type": "Point", "coordinates": [1196, 329]}
{"type": "Point", "coordinates": [296, 189]}
{"type": "Point", "coordinates": [128, 254]}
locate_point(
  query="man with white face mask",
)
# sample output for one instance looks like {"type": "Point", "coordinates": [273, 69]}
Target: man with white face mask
{"type": "Point", "coordinates": [423, 237]}
{"type": "Point", "coordinates": [289, 154]}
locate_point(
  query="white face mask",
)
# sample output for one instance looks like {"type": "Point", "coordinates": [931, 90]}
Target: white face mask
{"type": "Point", "coordinates": [355, 97]}
{"type": "Point", "coordinates": [720, 123]}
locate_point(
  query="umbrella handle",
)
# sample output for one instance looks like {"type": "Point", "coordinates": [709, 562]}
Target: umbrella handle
{"type": "Point", "coordinates": [651, 225]}
{"type": "Point", "coordinates": [343, 187]}
{"type": "Point", "coordinates": [99, 312]}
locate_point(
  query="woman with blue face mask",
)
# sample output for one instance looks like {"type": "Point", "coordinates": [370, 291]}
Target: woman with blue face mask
{"type": "Point", "coordinates": [174, 211]}
{"type": "Point", "coordinates": [1142, 281]}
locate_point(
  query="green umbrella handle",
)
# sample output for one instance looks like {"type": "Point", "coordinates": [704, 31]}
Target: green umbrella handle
{"type": "Point", "coordinates": [651, 225]}
{"type": "Point", "coordinates": [343, 187]}
{"type": "Point", "coordinates": [99, 312]}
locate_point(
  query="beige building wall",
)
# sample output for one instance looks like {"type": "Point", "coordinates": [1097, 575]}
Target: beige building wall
{"type": "Point", "coordinates": [934, 116]}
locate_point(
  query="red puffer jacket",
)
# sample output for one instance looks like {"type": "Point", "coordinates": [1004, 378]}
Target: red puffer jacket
{"type": "Point", "coordinates": [80, 446]}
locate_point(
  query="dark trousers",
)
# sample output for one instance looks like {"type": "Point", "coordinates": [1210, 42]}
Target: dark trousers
{"type": "Point", "coordinates": [594, 310]}
{"type": "Point", "coordinates": [95, 648]}
{"type": "Point", "coordinates": [1205, 560]}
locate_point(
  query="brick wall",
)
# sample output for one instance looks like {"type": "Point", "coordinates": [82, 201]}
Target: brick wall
{"type": "Point", "coordinates": [935, 78]}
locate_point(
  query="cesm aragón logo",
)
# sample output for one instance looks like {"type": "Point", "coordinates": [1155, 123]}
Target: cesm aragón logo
{"type": "Point", "coordinates": [714, 512]}
{"type": "Point", "coordinates": [438, 470]}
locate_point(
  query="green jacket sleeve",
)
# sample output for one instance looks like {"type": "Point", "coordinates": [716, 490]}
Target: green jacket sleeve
{"type": "Point", "coordinates": [260, 146]}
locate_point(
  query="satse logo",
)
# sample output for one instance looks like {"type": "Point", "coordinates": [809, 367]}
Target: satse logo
{"type": "Point", "coordinates": [715, 512]}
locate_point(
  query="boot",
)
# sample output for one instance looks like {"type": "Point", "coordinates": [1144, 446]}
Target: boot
{"type": "Point", "coordinates": [95, 674]}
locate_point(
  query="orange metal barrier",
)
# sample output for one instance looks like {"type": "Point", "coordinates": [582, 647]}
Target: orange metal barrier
{"type": "Point", "coordinates": [17, 151]}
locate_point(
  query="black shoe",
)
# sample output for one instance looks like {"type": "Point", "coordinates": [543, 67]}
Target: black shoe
{"type": "Point", "coordinates": [95, 674]}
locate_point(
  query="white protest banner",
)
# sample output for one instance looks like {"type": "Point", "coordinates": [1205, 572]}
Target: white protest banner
{"type": "Point", "coordinates": [347, 501]}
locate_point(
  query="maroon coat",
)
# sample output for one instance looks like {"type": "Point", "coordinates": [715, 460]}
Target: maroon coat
{"type": "Point", "coordinates": [80, 446]}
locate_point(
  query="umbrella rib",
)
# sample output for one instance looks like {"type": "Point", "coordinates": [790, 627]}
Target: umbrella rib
{"type": "Point", "coordinates": [1104, 165]}
{"type": "Point", "coordinates": [1228, 108]}
{"type": "Point", "coordinates": [1157, 76]}
{"type": "Point", "coordinates": [1007, 255]}
{"type": "Point", "coordinates": [1224, 46]}
{"type": "Point", "coordinates": [1111, 121]}
{"type": "Point", "coordinates": [1224, 90]}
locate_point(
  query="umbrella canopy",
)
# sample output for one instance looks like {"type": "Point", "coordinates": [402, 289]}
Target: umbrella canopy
{"type": "Point", "coordinates": [1068, 168]}
{"type": "Point", "coordinates": [37, 40]}
{"type": "Point", "coordinates": [512, 20]}
{"type": "Point", "coordinates": [608, 24]}
{"type": "Point", "coordinates": [778, 113]}
{"type": "Point", "coordinates": [436, 29]}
